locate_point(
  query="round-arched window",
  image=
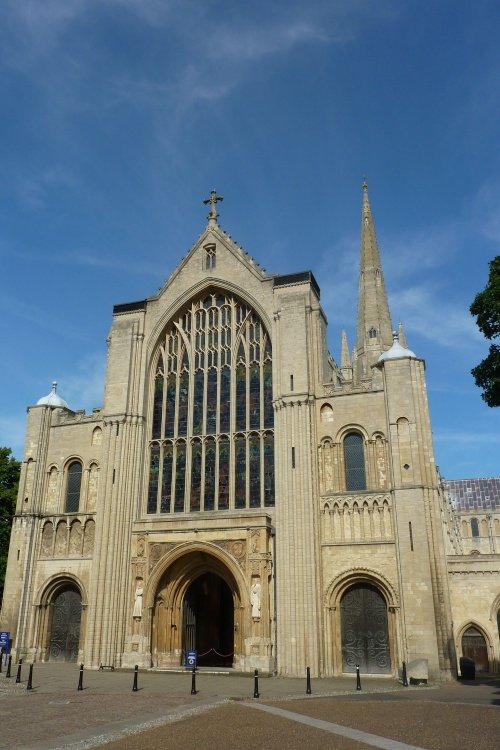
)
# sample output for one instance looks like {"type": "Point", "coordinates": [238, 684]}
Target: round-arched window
{"type": "Point", "coordinates": [73, 485]}
{"type": "Point", "coordinates": [354, 462]}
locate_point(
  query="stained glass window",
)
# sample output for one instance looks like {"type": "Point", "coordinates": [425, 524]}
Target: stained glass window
{"type": "Point", "coordinates": [158, 405]}
{"type": "Point", "coordinates": [255, 397]}
{"type": "Point", "coordinates": [170, 405]}
{"type": "Point", "coordinates": [241, 397]}
{"type": "Point", "coordinates": [199, 378]}
{"type": "Point", "coordinates": [212, 387]}
{"type": "Point", "coordinates": [209, 498]}
{"type": "Point", "coordinates": [240, 473]}
{"type": "Point", "coordinates": [154, 470]}
{"type": "Point", "coordinates": [183, 404]}
{"type": "Point", "coordinates": [196, 454]}
{"type": "Point", "coordinates": [166, 482]}
{"type": "Point", "coordinates": [212, 402]}
{"type": "Point", "coordinates": [268, 470]}
{"type": "Point", "coordinates": [180, 476]}
{"type": "Point", "coordinates": [254, 449]}
{"type": "Point", "coordinates": [223, 502]}
{"type": "Point", "coordinates": [354, 459]}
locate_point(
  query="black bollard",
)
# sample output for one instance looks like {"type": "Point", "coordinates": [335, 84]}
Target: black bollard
{"type": "Point", "coordinates": [256, 693]}
{"type": "Point", "coordinates": [136, 671]}
{"type": "Point", "coordinates": [358, 678]}
{"type": "Point", "coordinates": [80, 679]}
{"type": "Point", "coordinates": [1, 659]}
{"type": "Point", "coordinates": [308, 681]}
{"type": "Point", "coordinates": [9, 664]}
{"type": "Point", "coordinates": [29, 686]}
{"type": "Point", "coordinates": [193, 682]}
{"type": "Point", "coordinates": [405, 676]}
{"type": "Point", "coordinates": [18, 676]}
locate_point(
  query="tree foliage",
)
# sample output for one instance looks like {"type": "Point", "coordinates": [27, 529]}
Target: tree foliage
{"type": "Point", "coordinates": [10, 470]}
{"type": "Point", "coordinates": [486, 308]}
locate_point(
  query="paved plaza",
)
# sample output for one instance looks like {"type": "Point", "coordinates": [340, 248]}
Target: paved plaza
{"type": "Point", "coordinates": [224, 714]}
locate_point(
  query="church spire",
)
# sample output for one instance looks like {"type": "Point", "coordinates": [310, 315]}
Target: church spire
{"type": "Point", "coordinates": [374, 319]}
{"type": "Point", "coordinates": [345, 359]}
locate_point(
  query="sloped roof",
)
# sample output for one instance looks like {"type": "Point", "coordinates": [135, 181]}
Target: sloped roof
{"type": "Point", "coordinates": [475, 494]}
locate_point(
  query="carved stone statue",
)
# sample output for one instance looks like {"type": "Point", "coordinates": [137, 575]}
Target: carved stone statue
{"type": "Point", "coordinates": [137, 612]}
{"type": "Point", "coordinates": [255, 599]}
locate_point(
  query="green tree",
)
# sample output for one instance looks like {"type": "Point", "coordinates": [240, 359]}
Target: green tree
{"type": "Point", "coordinates": [10, 469]}
{"type": "Point", "coordinates": [486, 308]}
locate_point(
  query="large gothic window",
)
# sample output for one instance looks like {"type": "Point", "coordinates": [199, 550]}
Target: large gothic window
{"type": "Point", "coordinates": [212, 437]}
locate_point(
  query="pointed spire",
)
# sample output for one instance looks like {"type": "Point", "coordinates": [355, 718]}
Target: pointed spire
{"type": "Point", "coordinates": [402, 335]}
{"type": "Point", "coordinates": [345, 359]}
{"type": "Point", "coordinates": [374, 320]}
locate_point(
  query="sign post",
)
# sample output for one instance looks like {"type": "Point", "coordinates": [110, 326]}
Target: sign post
{"type": "Point", "coordinates": [5, 641]}
{"type": "Point", "coordinates": [191, 659]}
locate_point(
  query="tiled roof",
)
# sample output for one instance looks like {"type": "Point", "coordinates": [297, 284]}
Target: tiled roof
{"type": "Point", "coordinates": [475, 494]}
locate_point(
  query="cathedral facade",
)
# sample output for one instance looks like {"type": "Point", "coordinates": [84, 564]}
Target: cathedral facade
{"type": "Point", "coordinates": [242, 495]}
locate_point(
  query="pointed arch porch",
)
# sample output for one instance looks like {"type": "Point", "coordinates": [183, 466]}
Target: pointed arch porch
{"type": "Point", "coordinates": [166, 592]}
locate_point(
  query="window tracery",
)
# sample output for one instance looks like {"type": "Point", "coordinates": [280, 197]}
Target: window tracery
{"type": "Point", "coordinates": [212, 437]}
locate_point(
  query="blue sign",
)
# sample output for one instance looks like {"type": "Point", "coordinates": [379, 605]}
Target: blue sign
{"type": "Point", "coordinates": [191, 657]}
{"type": "Point", "coordinates": [5, 641]}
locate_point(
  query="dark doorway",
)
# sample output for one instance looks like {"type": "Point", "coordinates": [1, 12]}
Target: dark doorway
{"type": "Point", "coordinates": [65, 631]}
{"type": "Point", "coordinates": [208, 621]}
{"type": "Point", "coordinates": [474, 647]}
{"type": "Point", "coordinates": [365, 636]}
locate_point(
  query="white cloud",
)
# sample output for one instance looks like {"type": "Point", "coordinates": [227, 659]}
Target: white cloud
{"type": "Point", "coordinates": [427, 310]}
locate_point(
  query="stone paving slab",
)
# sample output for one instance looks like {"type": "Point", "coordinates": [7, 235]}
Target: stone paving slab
{"type": "Point", "coordinates": [235, 726]}
{"type": "Point", "coordinates": [60, 714]}
{"type": "Point", "coordinates": [56, 715]}
{"type": "Point", "coordinates": [431, 724]}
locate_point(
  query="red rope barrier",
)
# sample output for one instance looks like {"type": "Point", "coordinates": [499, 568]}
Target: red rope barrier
{"type": "Point", "coordinates": [223, 656]}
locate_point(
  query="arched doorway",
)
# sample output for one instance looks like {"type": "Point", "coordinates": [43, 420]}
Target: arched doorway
{"type": "Point", "coordinates": [365, 633]}
{"type": "Point", "coordinates": [65, 624]}
{"type": "Point", "coordinates": [208, 621]}
{"type": "Point", "coordinates": [474, 647]}
{"type": "Point", "coordinates": [197, 606]}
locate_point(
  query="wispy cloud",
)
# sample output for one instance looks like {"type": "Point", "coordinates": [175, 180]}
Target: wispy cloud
{"type": "Point", "coordinates": [35, 190]}
{"type": "Point", "coordinates": [84, 387]}
{"type": "Point", "coordinates": [117, 264]}
{"type": "Point", "coordinates": [471, 439]}
{"type": "Point", "coordinates": [38, 316]}
{"type": "Point", "coordinates": [433, 316]}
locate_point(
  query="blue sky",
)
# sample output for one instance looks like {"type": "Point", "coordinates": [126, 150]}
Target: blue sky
{"type": "Point", "coordinates": [119, 116]}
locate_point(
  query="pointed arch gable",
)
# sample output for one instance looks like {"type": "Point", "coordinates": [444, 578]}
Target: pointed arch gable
{"type": "Point", "coordinates": [466, 624]}
{"type": "Point", "coordinates": [195, 291]}
{"type": "Point", "coordinates": [226, 562]}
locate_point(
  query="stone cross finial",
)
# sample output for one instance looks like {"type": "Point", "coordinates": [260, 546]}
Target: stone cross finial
{"type": "Point", "coordinates": [214, 198]}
